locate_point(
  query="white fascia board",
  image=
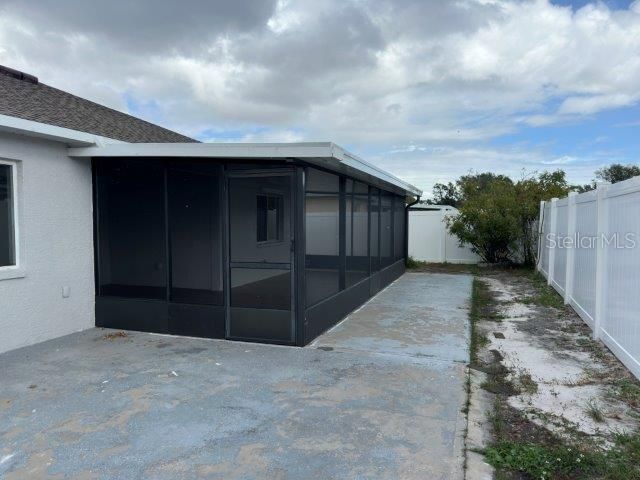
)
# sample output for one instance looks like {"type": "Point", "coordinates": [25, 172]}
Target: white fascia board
{"type": "Point", "coordinates": [72, 138]}
{"type": "Point", "coordinates": [324, 153]}
{"type": "Point", "coordinates": [207, 150]}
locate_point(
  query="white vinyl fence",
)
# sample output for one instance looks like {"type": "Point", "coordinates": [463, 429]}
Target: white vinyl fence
{"type": "Point", "coordinates": [590, 253]}
{"type": "Point", "coordinates": [430, 241]}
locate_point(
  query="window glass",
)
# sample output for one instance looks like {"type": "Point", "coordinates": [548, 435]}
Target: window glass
{"type": "Point", "coordinates": [131, 228]}
{"type": "Point", "coordinates": [398, 230]}
{"type": "Point", "coordinates": [386, 230]}
{"type": "Point", "coordinates": [357, 219]}
{"type": "Point", "coordinates": [195, 233]}
{"type": "Point", "coordinates": [375, 234]}
{"type": "Point", "coordinates": [259, 219]}
{"type": "Point", "coordinates": [7, 222]}
{"type": "Point", "coordinates": [269, 218]}
{"type": "Point", "coordinates": [322, 260]}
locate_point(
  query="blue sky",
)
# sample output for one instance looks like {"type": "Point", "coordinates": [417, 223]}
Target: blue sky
{"type": "Point", "coordinates": [427, 89]}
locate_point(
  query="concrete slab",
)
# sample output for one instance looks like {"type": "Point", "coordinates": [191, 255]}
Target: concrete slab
{"type": "Point", "coordinates": [150, 406]}
{"type": "Point", "coordinates": [420, 316]}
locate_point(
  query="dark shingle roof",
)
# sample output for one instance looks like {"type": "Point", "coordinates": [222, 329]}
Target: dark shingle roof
{"type": "Point", "coordinates": [27, 99]}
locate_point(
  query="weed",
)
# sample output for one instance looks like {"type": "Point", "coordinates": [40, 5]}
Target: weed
{"type": "Point", "coordinates": [594, 411]}
{"type": "Point", "coordinates": [527, 384]}
{"type": "Point", "coordinates": [412, 263]}
{"type": "Point", "coordinates": [543, 295]}
{"type": "Point", "coordinates": [628, 391]}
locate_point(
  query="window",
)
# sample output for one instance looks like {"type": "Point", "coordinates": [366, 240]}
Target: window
{"type": "Point", "coordinates": [269, 218]}
{"type": "Point", "coordinates": [7, 215]}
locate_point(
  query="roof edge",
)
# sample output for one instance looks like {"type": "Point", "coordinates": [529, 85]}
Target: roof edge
{"type": "Point", "coordinates": [309, 151]}
{"type": "Point", "coordinates": [72, 138]}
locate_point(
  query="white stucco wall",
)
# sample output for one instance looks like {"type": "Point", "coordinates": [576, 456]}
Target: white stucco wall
{"type": "Point", "coordinates": [56, 245]}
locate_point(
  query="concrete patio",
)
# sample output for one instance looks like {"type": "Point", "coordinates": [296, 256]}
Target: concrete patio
{"type": "Point", "coordinates": [378, 397]}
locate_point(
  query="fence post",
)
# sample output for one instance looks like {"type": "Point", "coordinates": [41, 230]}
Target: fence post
{"type": "Point", "coordinates": [601, 264]}
{"type": "Point", "coordinates": [443, 236]}
{"type": "Point", "coordinates": [541, 240]}
{"type": "Point", "coordinates": [553, 229]}
{"type": "Point", "coordinates": [571, 252]}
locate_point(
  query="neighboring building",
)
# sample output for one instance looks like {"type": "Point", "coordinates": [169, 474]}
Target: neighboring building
{"type": "Point", "coordinates": [261, 242]}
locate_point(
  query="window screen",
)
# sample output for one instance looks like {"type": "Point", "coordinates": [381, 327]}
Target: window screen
{"type": "Point", "coordinates": [357, 226]}
{"type": "Point", "coordinates": [269, 218]}
{"type": "Point", "coordinates": [386, 230]}
{"type": "Point", "coordinates": [195, 233]}
{"type": "Point", "coordinates": [131, 226]}
{"type": "Point", "coordinates": [375, 230]}
{"type": "Point", "coordinates": [7, 222]}
{"type": "Point", "coordinates": [322, 220]}
{"type": "Point", "coordinates": [398, 230]}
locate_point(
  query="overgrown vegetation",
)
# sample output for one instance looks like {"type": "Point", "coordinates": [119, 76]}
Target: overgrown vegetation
{"type": "Point", "coordinates": [497, 216]}
{"type": "Point", "coordinates": [523, 449]}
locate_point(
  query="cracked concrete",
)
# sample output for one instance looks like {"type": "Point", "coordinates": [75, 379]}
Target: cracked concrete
{"type": "Point", "coordinates": [381, 400]}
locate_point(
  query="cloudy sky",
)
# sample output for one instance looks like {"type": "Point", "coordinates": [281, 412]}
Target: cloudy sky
{"type": "Point", "coordinates": [427, 89]}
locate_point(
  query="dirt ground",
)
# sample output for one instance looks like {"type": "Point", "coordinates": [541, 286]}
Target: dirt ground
{"type": "Point", "coordinates": [561, 398]}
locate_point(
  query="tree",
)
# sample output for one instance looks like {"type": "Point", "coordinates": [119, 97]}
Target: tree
{"type": "Point", "coordinates": [487, 222]}
{"type": "Point", "coordinates": [453, 194]}
{"type": "Point", "coordinates": [614, 173]}
{"type": "Point", "coordinates": [497, 217]}
{"type": "Point", "coordinates": [445, 194]}
{"type": "Point", "coordinates": [530, 190]}
{"type": "Point", "coordinates": [617, 172]}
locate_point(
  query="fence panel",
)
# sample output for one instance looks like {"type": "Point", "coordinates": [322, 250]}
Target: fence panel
{"type": "Point", "coordinates": [560, 258]}
{"type": "Point", "coordinates": [545, 221]}
{"type": "Point", "coordinates": [600, 277]}
{"type": "Point", "coordinates": [430, 240]}
{"type": "Point", "coordinates": [584, 284]}
{"type": "Point", "coordinates": [620, 322]}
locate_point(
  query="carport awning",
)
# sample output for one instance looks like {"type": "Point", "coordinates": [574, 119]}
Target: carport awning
{"type": "Point", "coordinates": [324, 154]}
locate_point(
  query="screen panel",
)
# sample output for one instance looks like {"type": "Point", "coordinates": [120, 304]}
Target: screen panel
{"type": "Point", "coordinates": [195, 235]}
{"type": "Point", "coordinates": [131, 226]}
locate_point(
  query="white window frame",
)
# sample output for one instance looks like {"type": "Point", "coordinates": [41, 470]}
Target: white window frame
{"type": "Point", "coordinates": [14, 271]}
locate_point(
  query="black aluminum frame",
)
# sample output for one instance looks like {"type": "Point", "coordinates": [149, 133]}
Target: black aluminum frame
{"type": "Point", "coordinates": [307, 321]}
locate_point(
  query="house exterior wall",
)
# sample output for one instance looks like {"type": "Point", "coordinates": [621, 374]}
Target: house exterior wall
{"type": "Point", "coordinates": [56, 245]}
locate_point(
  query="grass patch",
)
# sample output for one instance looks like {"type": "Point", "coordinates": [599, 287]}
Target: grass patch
{"type": "Point", "coordinates": [568, 461]}
{"type": "Point", "coordinates": [628, 391]}
{"type": "Point", "coordinates": [480, 300]}
{"type": "Point", "coordinates": [543, 295]}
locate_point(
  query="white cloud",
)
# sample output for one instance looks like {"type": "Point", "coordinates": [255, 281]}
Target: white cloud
{"type": "Point", "coordinates": [428, 81]}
